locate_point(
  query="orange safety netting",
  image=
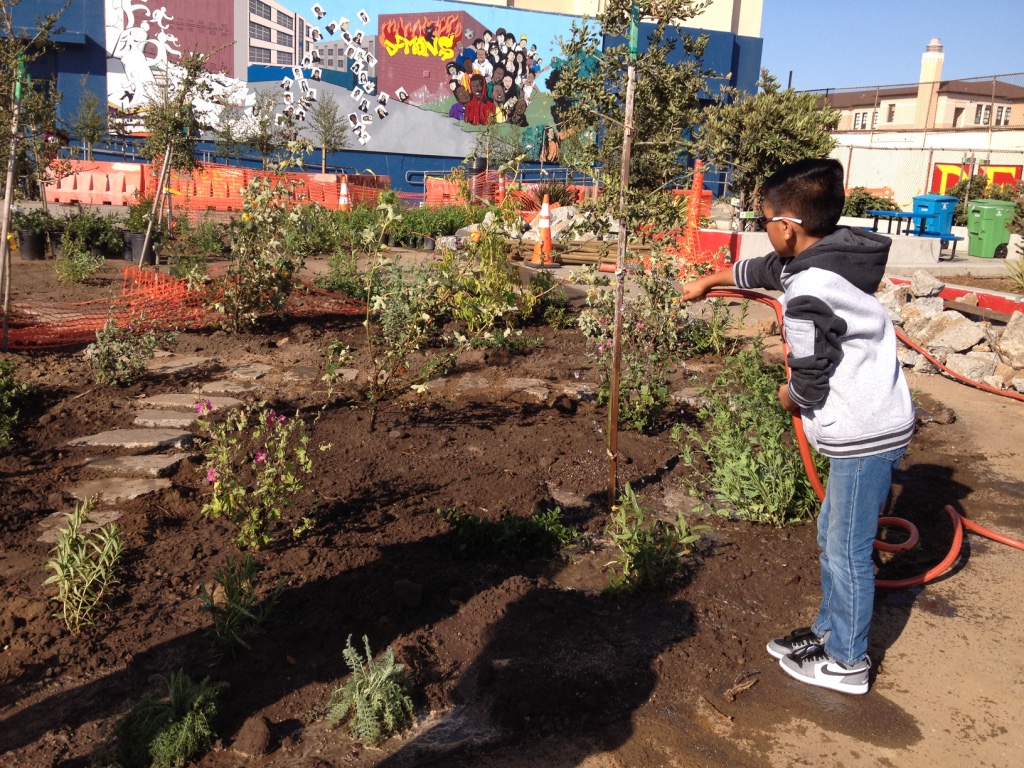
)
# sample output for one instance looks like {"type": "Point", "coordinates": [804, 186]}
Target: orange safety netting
{"type": "Point", "coordinates": [148, 298]}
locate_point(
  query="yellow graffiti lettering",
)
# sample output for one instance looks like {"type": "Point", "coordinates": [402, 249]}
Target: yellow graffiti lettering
{"type": "Point", "coordinates": [442, 47]}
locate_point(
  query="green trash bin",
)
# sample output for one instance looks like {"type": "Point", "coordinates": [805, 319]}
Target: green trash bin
{"type": "Point", "coordinates": [987, 220]}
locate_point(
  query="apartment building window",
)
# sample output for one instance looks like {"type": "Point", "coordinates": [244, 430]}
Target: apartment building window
{"type": "Point", "coordinates": [330, 63]}
{"type": "Point", "coordinates": [257, 8]}
{"type": "Point", "coordinates": [1006, 116]}
{"type": "Point", "coordinates": [259, 32]}
{"type": "Point", "coordinates": [874, 120]}
{"type": "Point", "coordinates": [891, 116]}
{"type": "Point", "coordinates": [285, 57]}
{"type": "Point", "coordinates": [983, 114]}
{"type": "Point", "coordinates": [259, 55]}
{"type": "Point", "coordinates": [283, 38]}
{"type": "Point", "coordinates": [285, 20]}
{"type": "Point", "coordinates": [860, 121]}
{"type": "Point", "coordinates": [1002, 116]}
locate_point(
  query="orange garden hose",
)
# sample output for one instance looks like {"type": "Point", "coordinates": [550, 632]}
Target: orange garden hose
{"type": "Point", "coordinates": [959, 521]}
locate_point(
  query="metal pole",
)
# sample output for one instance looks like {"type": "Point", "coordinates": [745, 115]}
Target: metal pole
{"type": "Point", "coordinates": [620, 264]}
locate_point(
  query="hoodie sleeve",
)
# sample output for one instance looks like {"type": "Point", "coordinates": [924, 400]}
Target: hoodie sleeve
{"type": "Point", "coordinates": [763, 272]}
{"type": "Point", "coordinates": [813, 332]}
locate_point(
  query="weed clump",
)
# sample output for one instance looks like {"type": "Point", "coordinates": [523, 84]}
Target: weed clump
{"type": "Point", "coordinates": [541, 534]}
{"type": "Point", "coordinates": [375, 698]}
{"type": "Point", "coordinates": [12, 394]}
{"type": "Point", "coordinates": [234, 605]}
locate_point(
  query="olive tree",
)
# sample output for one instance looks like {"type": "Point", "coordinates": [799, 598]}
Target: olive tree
{"type": "Point", "coordinates": [327, 127]}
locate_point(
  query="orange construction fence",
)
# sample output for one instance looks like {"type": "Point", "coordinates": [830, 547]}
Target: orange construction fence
{"type": "Point", "coordinates": [96, 183]}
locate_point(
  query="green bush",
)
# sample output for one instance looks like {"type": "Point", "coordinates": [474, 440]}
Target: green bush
{"type": "Point", "coordinates": [36, 222]}
{"type": "Point", "coordinates": [376, 696]}
{"type": "Point", "coordinates": [12, 395]}
{"type": "Point", "coordinates": [120, 354]}
{"type": "Point", "coordinates": [449, 219]}
{"type": "Point", "coordinates": [171, 731]}
{"type": "Point", "coordinates": [94, 231]}
{"type": "Point", "coordinates": [313, 230]}
{"type": "Point", "coordinates": [76, 264]}
{"type": "Point", "coordinates": [206, 239]}
{"type": "Point", "coordinates": [860, 201]}
{"type": "Point", "coordinates": [749, 455]}
{"type": "Point", "coordinates": [557, 192]}
{"type": "Point", "coordinates": [238, 613]}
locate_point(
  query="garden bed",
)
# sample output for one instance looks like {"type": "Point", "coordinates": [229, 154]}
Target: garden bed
{"type": "Point", "coordinates": [514, 662]}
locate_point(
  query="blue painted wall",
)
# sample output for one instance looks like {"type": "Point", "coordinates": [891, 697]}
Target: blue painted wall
{"type": "Point", "coordinates": [81, 52]}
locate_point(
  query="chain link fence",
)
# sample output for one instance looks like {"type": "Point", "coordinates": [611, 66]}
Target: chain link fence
{"type": "Point", "coordinates": [915, 138]}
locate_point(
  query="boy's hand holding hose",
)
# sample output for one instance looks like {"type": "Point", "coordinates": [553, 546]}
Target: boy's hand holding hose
{"type": "Point", "coordinates": [698, 288]}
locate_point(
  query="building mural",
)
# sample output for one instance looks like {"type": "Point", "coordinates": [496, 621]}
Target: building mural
{"type": "Point", "coordinates": [946, 175]}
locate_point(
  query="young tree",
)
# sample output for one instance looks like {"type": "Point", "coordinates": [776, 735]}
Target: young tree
{"type": "Point", "coordinates": [589, 90]}
{"type": "Point", "coordinates": [228, 137]}
{"type": "Point", "coordinates": [89, 123]}
{"type": "Point", "coordinates": [755, 135]}
{"type": "Point", "coordinates": [328, 128]}
{"type": "Point", "coordinates": [264, 130]}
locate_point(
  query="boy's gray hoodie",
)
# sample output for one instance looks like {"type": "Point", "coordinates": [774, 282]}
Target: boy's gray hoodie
{"type": "Point", "coordinates": [844, 374]}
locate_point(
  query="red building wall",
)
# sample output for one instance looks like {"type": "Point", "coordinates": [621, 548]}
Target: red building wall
{"type": "Point", "coordinates": [407, 58]}
{"type": "Point", "coordinates": [204, 25]}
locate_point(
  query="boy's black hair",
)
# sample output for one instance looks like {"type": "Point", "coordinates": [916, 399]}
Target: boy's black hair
{"type": "Point", "coordinates": [811, 190]}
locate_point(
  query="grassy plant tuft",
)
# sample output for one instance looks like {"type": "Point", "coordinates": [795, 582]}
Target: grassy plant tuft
{"type": "Point", "coordinates": [237, 612]}
{"type": "Point", "coordinates": [541, 534]}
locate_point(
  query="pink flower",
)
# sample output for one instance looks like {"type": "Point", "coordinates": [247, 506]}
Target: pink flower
{"type": "Point", "coordinates": [639, 325]}
{"type": "Point", "coordinates": [203, 407]}
{"type": "Point", "coordinates": [211, 475]}
{"type": "Point", "coordinates": [261, 457]}
{"type": "Point", "coordinates": [273, 418]}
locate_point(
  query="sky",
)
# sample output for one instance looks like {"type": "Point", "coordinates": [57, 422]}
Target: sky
{"type": "Point", "coordinates": [843, 43]}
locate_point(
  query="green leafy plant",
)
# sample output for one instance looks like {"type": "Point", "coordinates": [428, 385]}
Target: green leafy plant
{"type": "Point", "coordinates": [257, 460]}
{"type": "Point", "coordinates": [514, 537]}
{"type": "Point", "coordinates": [120, 353]}
{"type": "Point", "coordinates": [140, 211]}
{"type": "Point", "coordinates": [36, 221]}
{"type": "Point", "coordinates": [376, 696]}
{"type": "Point", "coordinates": [76, 264]}
{"type": "Point", "coordinates": [314, 230]}
{"type": "Point", "coordinates": [12, 395]}
{"type": "Point", "coordinates": [657, 332]}
{"type": "Point", "coordinates": [859, 201]}
{"type": "Point", "coordinates": [1015, 268]}
{"type": "Point", "coordinates": [237, 611]}
{"type": "Point", "coordinates": [170, 731]}
{"type": "Point", "coordinates": [206, 239]}
{"type": "Point", "coordinates": [746, 452]}
{"type": "Point", "coordinates": [652, 552]}
{"type": "Point", "coordinates": [557, 192]}
{"type": "Point", "coordinates": [93, 231]}
{"type": "Point", "coordinates": [260, 276]}
{"type": "Point", "coordinates": [190, 267]}
{"type": "Point", "coordinates": [84, 567]}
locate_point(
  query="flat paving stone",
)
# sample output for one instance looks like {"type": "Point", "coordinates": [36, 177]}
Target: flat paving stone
{"type": "Point", "coordinates": [346, 374]}
{"type": "Point", "coordinates": [538, 394]}
{"type": "Point", "coordinates": [581, 390]}
{"type": "Point", "coordinates": [111, 490]}
{"type": "Point", "coordinates": [137, 438]}
{"type": "Point", "coordinates": [517, 384]}
{"type": "Point", "coordinates": [250, 371]}
{"type": "Point", "coordinates": [188, 402]}
{"type": "Point", "coordinates": [157, 418]}
{"type": "Point", "coordinates": [53, 524]}
{"type": "Point", "coordinates": [176, 364]}
{"type": "Point", "coordinates": [301, 373]}
{"type": "Point", "coordinates": [159, 465]}
{"type": "Point", "coordinates": [228, 387]}
{"type": "Point", "coordinates": [473, 382]}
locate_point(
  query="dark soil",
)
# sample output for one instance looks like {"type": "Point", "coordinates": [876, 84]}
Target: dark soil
{"type": "Point", "coordinates": [1001, 284]}
{"type": "Point", "coordinates": [514, 663]}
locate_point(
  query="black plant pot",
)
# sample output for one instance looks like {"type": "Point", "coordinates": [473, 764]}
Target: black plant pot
{"type": "Point", "coordinates": [32, 247]}
{"type": "Point", "coordinates": [126, 249]}
{"type": "Point", "coordinates": [56, 236]}
{"type": "Point", "coordinates": [429, 244]}
{"type": "Point", "coordinates": [138, 239]}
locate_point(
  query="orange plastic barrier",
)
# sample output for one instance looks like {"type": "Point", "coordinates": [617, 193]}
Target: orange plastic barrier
{"type": "Point", "coordinates": [96, 183]}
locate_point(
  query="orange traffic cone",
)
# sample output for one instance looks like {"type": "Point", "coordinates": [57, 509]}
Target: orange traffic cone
{"type": "Point", "coordinates": [545, 226]}
{"type": "Point", "coordinates": [344, 204]}
{"type": "Point", "coordinates": [499, 197]}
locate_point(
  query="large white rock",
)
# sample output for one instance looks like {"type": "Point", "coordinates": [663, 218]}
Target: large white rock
{"type": "Point", "coordinates": [924, 284]}
{"type": "Point", "coordinates": [970, 367]}
{"type": "Point", "coordinates": [952, 330]}
{"type": "Point", "coordinates": [1011, 342]}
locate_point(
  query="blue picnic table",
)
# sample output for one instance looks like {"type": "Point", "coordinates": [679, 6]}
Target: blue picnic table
{"type": "Point", "coordinates": [915, 221]}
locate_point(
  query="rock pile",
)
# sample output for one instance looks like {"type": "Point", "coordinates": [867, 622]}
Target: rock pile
{"type": "Point", "coordinates": [980, 351]}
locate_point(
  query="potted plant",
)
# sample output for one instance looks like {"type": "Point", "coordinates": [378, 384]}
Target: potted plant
{"type": "Point", "coordinates": [56, 234]}
{"type": "Point", "coordinates": [31, 227]}
{"type": "Point", "coordinates": [136, 224]}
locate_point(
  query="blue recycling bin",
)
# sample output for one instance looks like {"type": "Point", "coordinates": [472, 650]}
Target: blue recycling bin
{"type": "Point", "coordinates": [942, 206]}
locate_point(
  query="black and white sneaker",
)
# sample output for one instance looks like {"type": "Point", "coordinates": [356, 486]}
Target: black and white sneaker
{"type": "Point", "coordinates": [795, 641]}
{"type": "Point", "coordinates": [812, 665]}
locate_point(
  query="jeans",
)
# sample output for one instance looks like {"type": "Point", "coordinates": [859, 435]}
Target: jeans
{"type": "Point", "coordinates": [847, 526]}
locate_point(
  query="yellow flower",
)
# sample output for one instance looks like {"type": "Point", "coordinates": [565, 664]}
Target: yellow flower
{"type": "Point", "coordinates": [245, 217]}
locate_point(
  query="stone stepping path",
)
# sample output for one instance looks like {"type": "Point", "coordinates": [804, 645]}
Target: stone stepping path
{"type": "Point", "coordinates": [170, 419]}
{"type": "Point", "coordinates": [228, 387]}
{"type": "Point", "coordinates": [111, 490]}
{"type": "Point", "coordinates": [135, 439]}
{"type": "Point", "coordinates": [250, 371]}
{"type": "Point", "coordinates": [175, 364]}
{"type": "Point", "coordinates": [158, 465]}
{"type": "Point", "coordinates": [188, 402]}
{"type": "Point", "coordinates": [52, 524]}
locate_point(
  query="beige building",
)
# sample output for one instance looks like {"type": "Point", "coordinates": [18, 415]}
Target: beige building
{"type": "Point", "coordinates": [932, 104]}
{"type": "Point", "coordinates": [740, 17]}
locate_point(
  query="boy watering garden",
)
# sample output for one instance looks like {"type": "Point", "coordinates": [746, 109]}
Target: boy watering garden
{"type": "Point", "coordinates": [849, 389]}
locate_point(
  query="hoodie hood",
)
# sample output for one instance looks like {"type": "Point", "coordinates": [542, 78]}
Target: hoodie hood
{"type": "Point", "coordinates": [857, 255]}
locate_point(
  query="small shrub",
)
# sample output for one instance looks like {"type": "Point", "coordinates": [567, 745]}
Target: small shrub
{"type": "Point", "coordinates": [120, 354]}
{"type": "Point", "coordinates": [542, 534]}
{"type": "Point", "coordinates": [557, 192]}
{"type": "Point", "coordinates": [205, 239]}
{"type": "Point", "coordinates": [172, 731]}
{"type": "Point", "coordinates": [651, 552]}
{"type": "Point", "coordinates": [36, 221]}
{"type": "Point", "coordinates": [256, 460]}
{"type": "Point", "coordinates": [238, 613]}
{"type": "Point", "coordinates": [750, 458]}
{"type": "Point", "coordinates": [860, 201]}
{"type": "Point", "coordinates": [84, 567]}
{"type": "Point", "coordinates": [1015, 267]}
{"type": "Point", "coordinates": [343, 276]}
{"type": "Point", "coordinates": [313, 230]}
{"type": "Point", "coordinates": [376, 696]}
{"type": "Point", "coordinates": [76, 264]}
{"type": "Point", "coordinates": [12, 395]}
{"type": "Point", "coordinates": [190, 267]}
